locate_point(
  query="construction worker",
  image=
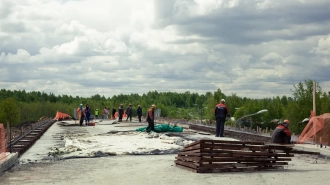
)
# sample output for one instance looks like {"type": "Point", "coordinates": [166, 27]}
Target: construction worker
{"type": "Point", "coordinates": [105, 113]}
{"type": "Point", "coordinates": [139, 112]}
{"type": "Point", "coordinates": [87, 114]}
{"type": "Point", "coordinates": [96, 113]}
{"type": "Point", "coordinates": [220, 113]}
{"type": "Point", "coordinates": [120, 112]}
{"type": "Point", "coordinates": [282, 134]}
{"type": "Point", "coordinates": [82, 114]}
{"type": "Point", "coordinates": [113, 113]}
{"type": "Point", "coordinates": [129, 112]}
{"type": "Point", "coordinates": [78, 114]}
{"type": "Point", "coordinates": [151, 119]}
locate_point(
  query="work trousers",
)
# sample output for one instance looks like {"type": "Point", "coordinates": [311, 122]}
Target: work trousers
{"type": "Point", "coordinates": [130, 117]}
{"type": "Point", "coordinates": [139, 116]}
{"type": "Point", "coordinates": [220, 126]}
{"type": "Point", "coordinates": [120, 117]}
{"type": "Point", "coordinates": [88, 118]}
{"type": "Point", "coordinates": [151, 126]}
{"type": "Point", "coordinates": [81, 121]}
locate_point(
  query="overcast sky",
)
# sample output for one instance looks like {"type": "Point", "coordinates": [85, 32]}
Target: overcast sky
{"type": "Point", "coordinates": [254, 48]}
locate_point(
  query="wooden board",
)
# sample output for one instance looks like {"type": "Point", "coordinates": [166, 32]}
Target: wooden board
{"type": "Point", "coordinates": [230, 159]}
{"type": "Point", "coordinates": [209, 156]}
{"type": "Point", "coordinates": [235, 153]}
{"type": "Point", "coordinates": [223, 165]}
{"type": "Point", "coordinates": [231, 142]}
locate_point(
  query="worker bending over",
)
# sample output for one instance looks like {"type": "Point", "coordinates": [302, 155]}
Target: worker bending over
{"type": "Point", "coordinates": [282, 134]}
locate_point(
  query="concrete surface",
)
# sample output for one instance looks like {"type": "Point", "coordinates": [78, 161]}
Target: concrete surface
{"type": "Point", "coordinates": [7, 160]}
{"type": "Point", "coordinates": [160, 170]}
{"type": "Point", "coordinates": [105, 138]}
{"type": "Point", "coordinates": [324, 151]}
{"type": "Point", "coordinates": [142, 169]}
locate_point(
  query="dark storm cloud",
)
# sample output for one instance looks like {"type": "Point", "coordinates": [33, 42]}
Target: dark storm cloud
{"type": "Point", "coordinates": [11, 43]}
{"type": "Point", "coordinates": [246, 25]}
{"type": "Point", "coordinates": [19, 73]}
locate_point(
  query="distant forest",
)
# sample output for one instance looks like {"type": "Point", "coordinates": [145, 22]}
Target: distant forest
{"type": "Point", "coordinates": [20, 106]}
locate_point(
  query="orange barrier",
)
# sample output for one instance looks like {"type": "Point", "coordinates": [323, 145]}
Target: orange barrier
{"type": "Point", "coordinates": [2, 142]}
{"type": "Point", "coordinates": [317, 130]}
{"type": "Point", "coordinates": [60, 115]}
{"type": "Point", "coordinates": [116, 114]}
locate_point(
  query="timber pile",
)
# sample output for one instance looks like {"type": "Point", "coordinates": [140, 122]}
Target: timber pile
{"type": "Point", "coordinates": [210, 156]}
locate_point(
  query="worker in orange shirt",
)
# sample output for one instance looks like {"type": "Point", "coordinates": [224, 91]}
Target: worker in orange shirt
{"type": "Point", "coordinates": [82, 114]}
{"type": "Point", "coordinates": [151, 119]}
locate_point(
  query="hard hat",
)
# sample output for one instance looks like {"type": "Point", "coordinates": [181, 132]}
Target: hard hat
{"type": "Point", "coordinates": [286, 121]}
{"type": "Point", "coordinates": [81, 104]}
{"type": "Point", "coordinates": [223, 100]}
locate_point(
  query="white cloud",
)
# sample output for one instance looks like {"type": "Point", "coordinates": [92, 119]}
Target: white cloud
{"type": "Point", "coordinates": [254, 48]}
{"type": "Point", "coordinates": [272, 58]}
{"type": "Point", "coordinates": [22, 56]}
{"type": "Point", "coordinates": [323, 46]}
{"type": "Point", "coordinates": [264, 4]}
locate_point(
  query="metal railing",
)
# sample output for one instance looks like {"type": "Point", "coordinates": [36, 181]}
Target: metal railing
{"type": "Point", "coordinates": [26, 131]}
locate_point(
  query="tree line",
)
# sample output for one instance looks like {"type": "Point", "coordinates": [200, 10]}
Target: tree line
{"type": "Point", "coordinates": [19, 106]}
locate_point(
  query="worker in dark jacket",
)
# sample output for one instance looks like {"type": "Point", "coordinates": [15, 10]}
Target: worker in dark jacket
{"type": "Point", "coordinates": [120, 112]}
{"type": "Point", "coordinates": [220, 112]}
{"type": "Point", "coordinates": [113, 112]}
{"type": "Point", "coordinates": [139, 112]}
{"type": "Point", "coordinates": [282, 134]}
{"type": "Point", "coordinates": [129, 112]}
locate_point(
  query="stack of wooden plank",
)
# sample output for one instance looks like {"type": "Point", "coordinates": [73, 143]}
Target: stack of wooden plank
{"type": "Point", "coordinates": [207, 156]}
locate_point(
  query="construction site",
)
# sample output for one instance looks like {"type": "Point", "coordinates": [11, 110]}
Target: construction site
{"type": "Point", "coordinates": [58, 151]}
{"type": "Point", "coordinates": [183, 92]}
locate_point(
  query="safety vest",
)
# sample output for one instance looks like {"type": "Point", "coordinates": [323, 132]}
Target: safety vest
{"type": "Point", "coordinates": [96, 113]}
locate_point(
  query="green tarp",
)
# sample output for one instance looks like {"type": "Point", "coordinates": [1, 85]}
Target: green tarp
{"type": "Point", "coordinates": [163, 128]}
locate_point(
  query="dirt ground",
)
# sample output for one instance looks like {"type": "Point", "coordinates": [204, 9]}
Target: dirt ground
{"type": "Point", "coordinates": [159, 169]}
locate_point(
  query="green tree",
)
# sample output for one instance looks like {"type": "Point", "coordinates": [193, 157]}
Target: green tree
{"type": "Point", "coordinates": [9, 111]}
{"type": "Point", "coordinates": [303, 103]}
{"type": "Point", "coordinates": [325, 103]}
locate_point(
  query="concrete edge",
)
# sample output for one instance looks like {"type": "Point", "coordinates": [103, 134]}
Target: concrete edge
{"type": "Point", "coordinates": [8, 161]}
{"type": "Point", "coordinates": [323, 153]}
